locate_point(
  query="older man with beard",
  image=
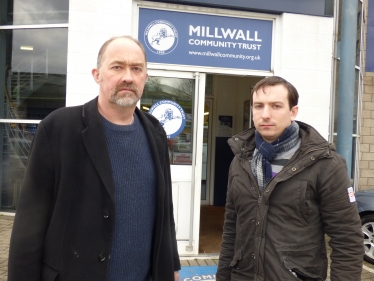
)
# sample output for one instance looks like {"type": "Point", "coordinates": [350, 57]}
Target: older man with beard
{"type": "Point", "coordinates": [96, 203]}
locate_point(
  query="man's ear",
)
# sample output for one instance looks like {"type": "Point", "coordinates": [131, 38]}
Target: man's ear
{"type": "Point", "coordinates": [96, 75]}
{"type": "Point", "coordinates": [294, 112]}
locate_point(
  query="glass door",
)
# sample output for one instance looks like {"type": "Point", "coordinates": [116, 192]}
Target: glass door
{"type": "Point", "coordinates": [176, 99]}
{"type": "Point", "coordinates": [205, 170]}
{"type": "Point", "coordinates": [171, 101]}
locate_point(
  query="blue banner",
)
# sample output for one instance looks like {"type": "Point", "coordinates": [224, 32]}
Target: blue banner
{"type": "Point", "coordinates": [195, 273]}
{"type": "Point", "coordinates": [206, 40]}
{"type": "Point", "coordinates": [370, 38]}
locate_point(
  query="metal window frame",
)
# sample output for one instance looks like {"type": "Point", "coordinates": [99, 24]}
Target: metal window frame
{"type": "Point", "coordinates": [29, 26]}
{"type": "Point", "coordinates": [34, 26]}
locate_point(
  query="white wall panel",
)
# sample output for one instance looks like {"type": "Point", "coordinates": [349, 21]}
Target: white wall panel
{"type": "Point", "coordinates": [115, 6]}
{"type": "Point", "coordinates": [91, 23]}
{"type": "Point", "coordinates": [293, 59]}
{"type": "Point", "coordinates": [319, 43]}
{"type": "Point", "coordinates": [82, 63]}
{"type": "Point", "coordinates": [80, 99]}
{"type": "Point", "coordinates": [318, 114]}
{"type": "Point", "coordinates": [313, 97]}
{"type": "Point", "coordinates": [308, 24]}
{"type": "Point", "coordinates": [303, 55]}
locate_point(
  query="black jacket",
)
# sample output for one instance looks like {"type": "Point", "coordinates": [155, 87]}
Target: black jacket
{"type": "Point", "coordinates": [63, 228]}
{"type": "Point", "coordinates": [284, 229]}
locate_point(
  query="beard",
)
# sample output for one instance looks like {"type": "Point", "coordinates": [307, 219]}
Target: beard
{"type": "Point", "coordinates": [125, 99]}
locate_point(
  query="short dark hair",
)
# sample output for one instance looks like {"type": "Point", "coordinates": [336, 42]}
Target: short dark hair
{"type": "Point", "coordinates": [106, 44]}
{"type": "Point", "coordinates": [293, 95]}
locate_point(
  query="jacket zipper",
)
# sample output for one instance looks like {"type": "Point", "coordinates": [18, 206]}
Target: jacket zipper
{"type": "Point", "coordinates": [284, 169]}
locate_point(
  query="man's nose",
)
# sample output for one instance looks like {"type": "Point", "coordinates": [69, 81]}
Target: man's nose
{"type": "Point", "coordinates": [265, 112]}
{"type": "Point", "coordinates": [127, 76]}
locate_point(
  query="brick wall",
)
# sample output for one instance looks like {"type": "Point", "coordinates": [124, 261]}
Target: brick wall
{"type": "Point", "coordinates": [366, 179]}
{"type": "Point", "coordinates": [366, 176]}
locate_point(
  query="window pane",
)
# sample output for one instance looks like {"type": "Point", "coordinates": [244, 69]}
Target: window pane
{"type": "Point", "coordinates": [19, 12]}
{"type": "Point", "coordinates": [33, 64]}
{"type": "Point", "coordinates": [180, 91]}
{"type": "Point", "coordinates": [15, 143]}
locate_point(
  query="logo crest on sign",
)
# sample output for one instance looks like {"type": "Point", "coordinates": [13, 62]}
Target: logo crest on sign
{"type": "Point", "coordinates": [171, 116]}
{"type": "Point", "coordinates": [161, 37]}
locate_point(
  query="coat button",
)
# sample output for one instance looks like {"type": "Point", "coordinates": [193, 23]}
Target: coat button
{"type": "Point", "coordinates": [257, 223]}
{"type": "Point", "coordinates": [293, 169]}
{"type": "Point", "coordinates": [312, 158]}
{"type": "Point", "coordinates": [253, 256]}
{"type": "Point", "coordinates": [252, 221]}
{"type": "Point", "coordinates": [236, 139]}
{"type": "Point", "coordinates": [101, 257]}
{"type": "Point", "coordinates": [106, 214]}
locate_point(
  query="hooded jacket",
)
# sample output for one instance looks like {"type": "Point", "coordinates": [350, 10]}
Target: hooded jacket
{"type": "Point", "coordinates": [281, 233]}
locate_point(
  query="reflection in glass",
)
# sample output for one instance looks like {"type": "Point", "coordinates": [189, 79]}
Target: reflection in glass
{"type": "Point", "coordinates": [33, 65]}
{"type": "Point", "coordinates": [34, 62]}
{"type": "Point", "coordinates": [204, 169]}
{"type": "Point", "coordinates": [182, 92]}
{"type": "Point", "coordinates": [20, 12]}
{"type": "Point", "coordinates": [16, 145]}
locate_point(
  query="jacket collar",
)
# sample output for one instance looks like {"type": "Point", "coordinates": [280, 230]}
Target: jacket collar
{"type": "Point", "coordinates": [243, 144]}
{"type": "Point", "coordinates": [95, 141]}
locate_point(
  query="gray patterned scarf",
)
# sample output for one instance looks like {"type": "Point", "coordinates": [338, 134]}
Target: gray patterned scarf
{"type": "Point", "coordinates": [266, 152]}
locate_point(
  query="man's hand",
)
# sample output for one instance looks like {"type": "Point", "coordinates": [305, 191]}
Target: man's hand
{"type": "Point", "coordinates": [176, 275]}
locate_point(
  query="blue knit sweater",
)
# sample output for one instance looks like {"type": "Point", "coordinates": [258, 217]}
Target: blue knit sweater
{"type": "Point", "coordinates": [135, 185]}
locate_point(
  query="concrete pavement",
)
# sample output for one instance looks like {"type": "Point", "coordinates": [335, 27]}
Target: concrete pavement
{"type": "Point", "coordinates": [6, 223]}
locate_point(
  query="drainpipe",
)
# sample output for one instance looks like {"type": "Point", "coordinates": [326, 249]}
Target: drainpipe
{"type": "Point", "coordinates": [347, 80]}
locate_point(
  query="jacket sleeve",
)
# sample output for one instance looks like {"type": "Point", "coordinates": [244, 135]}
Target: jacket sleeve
{"type": "Point", "coordinates": [229, 233]}
{"type": "Point", "coordinates": [341, 222]}
{"type": "Point", "coordinates": [33, 211]}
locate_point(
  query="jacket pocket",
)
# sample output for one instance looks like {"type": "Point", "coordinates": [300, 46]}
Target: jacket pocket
{"type": "Point", "coordinates": [301, 273]}
{"type": "Point", "coordinates": [305, 204]}
{"type": "Point", "coordinates": [49, 273]}
{"type": "Point", "coordinates": [237, 258]}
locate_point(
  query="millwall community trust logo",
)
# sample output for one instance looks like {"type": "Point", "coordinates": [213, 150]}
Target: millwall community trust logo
{"type": "Point", "coordinates": [161, 37]}
{"type": "Point", "coordinates": [171, 116]}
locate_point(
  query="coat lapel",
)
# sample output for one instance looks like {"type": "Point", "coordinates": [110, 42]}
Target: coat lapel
{"type": "Point", "coordinates": [157, 142]}
{"type": "Point", "coordinates": [95, 141]}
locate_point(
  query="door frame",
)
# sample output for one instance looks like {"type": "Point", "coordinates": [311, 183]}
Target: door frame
{"type": "Point", "coordinates": [209, 190]}
{"type": "Point", "coordinates": [184, 174]}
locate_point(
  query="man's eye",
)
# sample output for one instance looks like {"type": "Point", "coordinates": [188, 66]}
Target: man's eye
{"type": "Point", "coordinates": [137, 69]}
{"type": "Point", "coordinates": [116, 67]}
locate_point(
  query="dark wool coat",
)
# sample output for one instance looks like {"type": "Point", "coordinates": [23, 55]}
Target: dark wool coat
{"type": "Point", "coordinates": [265, 237]}
{"type": "Point", "coordinates": [63, 228]}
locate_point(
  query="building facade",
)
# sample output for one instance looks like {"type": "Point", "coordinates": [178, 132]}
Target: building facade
{"type": "Point", "coordinates": [366, 179]}
{"type": "Point", "coordinates": [204, 57]}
